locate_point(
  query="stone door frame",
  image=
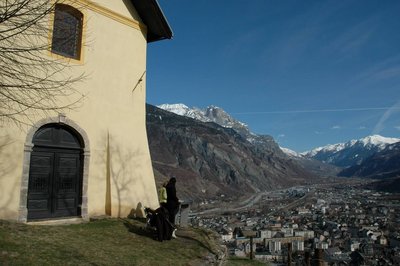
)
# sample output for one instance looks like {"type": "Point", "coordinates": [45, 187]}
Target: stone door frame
{"type": "Point", "coordinates": [60, 119]}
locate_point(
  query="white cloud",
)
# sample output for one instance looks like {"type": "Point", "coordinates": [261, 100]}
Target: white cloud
{"type": "Point", "coordinates": [362, 127]}
{"type": "Point", "coordinates": [281, 135]}
{"type": "Point", "coordinates": [381, 123]}
{"type": "Point", "coordinates": [388, 73]}
{"type": "Point", "coordinates": [386, 69]}
{"type": "Point", "coordinates": [319, 110]}
{"type": "Point", "coordinates": [336, 127]}
{"type": "Point", "coordinates": [397, 127]}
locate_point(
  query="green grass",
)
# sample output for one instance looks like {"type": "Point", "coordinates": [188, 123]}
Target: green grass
{"type": "Point", "coordinates": [101, 242]}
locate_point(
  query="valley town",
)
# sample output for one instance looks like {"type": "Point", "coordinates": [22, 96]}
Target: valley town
{"type": "Point", "coordinates": [337, 223]}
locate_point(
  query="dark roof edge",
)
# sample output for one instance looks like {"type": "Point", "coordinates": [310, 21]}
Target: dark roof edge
{"type": "Point", "coordinates": [151, 14]}
{"type": "Point", "coordinates": [168, 29]}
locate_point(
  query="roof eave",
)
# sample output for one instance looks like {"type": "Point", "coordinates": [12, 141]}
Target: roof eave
{"type": "Point", "coordinates": [152, 16]}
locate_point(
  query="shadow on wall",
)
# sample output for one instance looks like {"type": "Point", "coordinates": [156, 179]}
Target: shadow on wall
{"type": "Point", "coordinates": [124, 178]}
{"type": "Point", "coordinates": [8, 164]}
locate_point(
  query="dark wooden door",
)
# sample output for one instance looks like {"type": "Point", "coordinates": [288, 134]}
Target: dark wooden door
{"type": "Point", "coordinates": [55, 176]}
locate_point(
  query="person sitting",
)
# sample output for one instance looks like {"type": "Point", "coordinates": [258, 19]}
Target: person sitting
{"type": "Point", "coordinates": [159, 220]}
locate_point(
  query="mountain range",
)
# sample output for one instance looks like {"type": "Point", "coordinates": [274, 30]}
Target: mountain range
{"type": "Point", "coordinates": [220, 155]}
{"type": "Point", "coordinates": [351, 153]}
{"type": "Point", "coordinates": [329, 160]}
{"type": "Point", "coordinates": [222, 118]}
{"type": "Point", "coordinates": [261, 143]}
{"type": "Point", "coordinates": [373, 157]}
{"type": "Point", "coordinates": [382, 164]}
{"type": "Point", "coordinates": [211, 160]}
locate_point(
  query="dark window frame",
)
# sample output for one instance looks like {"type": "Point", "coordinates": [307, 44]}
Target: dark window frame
{"type": "Point", "coordinates": [67, 31]}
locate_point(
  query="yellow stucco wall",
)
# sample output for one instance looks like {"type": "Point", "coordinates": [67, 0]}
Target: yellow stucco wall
{"type": "Point", "coordinates": [112, 114]}
{"type": "Point", "coordinates": [11, 158]}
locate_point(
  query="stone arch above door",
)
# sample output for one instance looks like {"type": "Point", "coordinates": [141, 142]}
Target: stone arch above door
{"type": "Point", "coordinates": [61, 119]}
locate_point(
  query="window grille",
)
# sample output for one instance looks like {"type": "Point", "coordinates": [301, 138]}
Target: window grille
{"type": "Point", "coordinates": [67, 31]}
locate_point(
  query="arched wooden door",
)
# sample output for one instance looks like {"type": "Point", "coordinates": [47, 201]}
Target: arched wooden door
{"type": "Point", "coordinates": [55, 175]}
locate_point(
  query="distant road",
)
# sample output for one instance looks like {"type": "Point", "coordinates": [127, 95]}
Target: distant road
{"type": "Point", "coordinates": [248, 203]}
{"type": "Point", "coordinates": [254, 199]}
{"type": "Point", "coordinates": [295, 203]}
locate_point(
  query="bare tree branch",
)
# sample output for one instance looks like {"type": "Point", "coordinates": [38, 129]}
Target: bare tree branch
{"type": "Point", "coordinates": [32, 82]}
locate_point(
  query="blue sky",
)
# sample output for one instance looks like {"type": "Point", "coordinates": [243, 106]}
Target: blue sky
{"type": "Point", "coordinates": [308, 73]}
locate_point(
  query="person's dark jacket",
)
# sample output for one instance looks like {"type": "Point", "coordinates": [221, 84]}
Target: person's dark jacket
{"type": "Point", "coordinates": [159, 219]}
{"type": "Point", "coordinates": [172, 199]}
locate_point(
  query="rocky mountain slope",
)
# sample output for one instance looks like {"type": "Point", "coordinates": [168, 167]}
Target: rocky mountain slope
{"type": "Point", "coordinates": [209, 114]}
{"type": "Point", "coordinates": [210, 160]}
{"type": "Point", "coordinates": [351, 153]}
{"type": "Point", "coordinates": [222, 118]}
{"type": "Point", "coordinates": [260, 142]}
{"type": "Point", "coordinates": [317, 167]}
{"type": "Point", "coordinates": [382, 164]}
{"type": "Point", "coordinates": [324, 161]}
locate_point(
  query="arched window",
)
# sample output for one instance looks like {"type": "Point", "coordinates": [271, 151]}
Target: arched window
{"type": "Point", "coordinates": [67, 31]}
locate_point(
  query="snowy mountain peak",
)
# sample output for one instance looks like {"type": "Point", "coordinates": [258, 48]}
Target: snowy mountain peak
{"type": "Point", "coordinates": [177, 108]}
{"type": "Point", "coordinates": [218, 116]}
{"type": "Point", "coordinates": [214, 114]}
{"type": "Point", "coordinates": [373, 140]}
{"type": "Point", "coordinates": [210, 114]}
{"type": "Point", "coordinates": [290, 152]}
{"type": "Point", "coordinates": [378, 140]}
{"type": "Point", "coordinates": [181, 109]}
{"type": "Point", "coordinates": [352, 152]}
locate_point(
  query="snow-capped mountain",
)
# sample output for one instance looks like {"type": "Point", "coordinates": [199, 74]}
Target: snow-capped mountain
{"type": "Point", "coordinates": [381, 165]}
{"type": "Point", "coordinates": [181, 109]}
{"type": "Point", "coordinates": [342, 155]}
{"type": "Point", "coordinates": [215, 160]}
{"type": "Point", "coordinates": [353, 152]}
{"type": "Point", "coordinates": [219, 116]}
{"type": "Point", "coordinates": [315, 166]}
{"type": "Point", "coordinates": [209, 114]}
{"type": "Point", "coordinates": [290, 153]}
